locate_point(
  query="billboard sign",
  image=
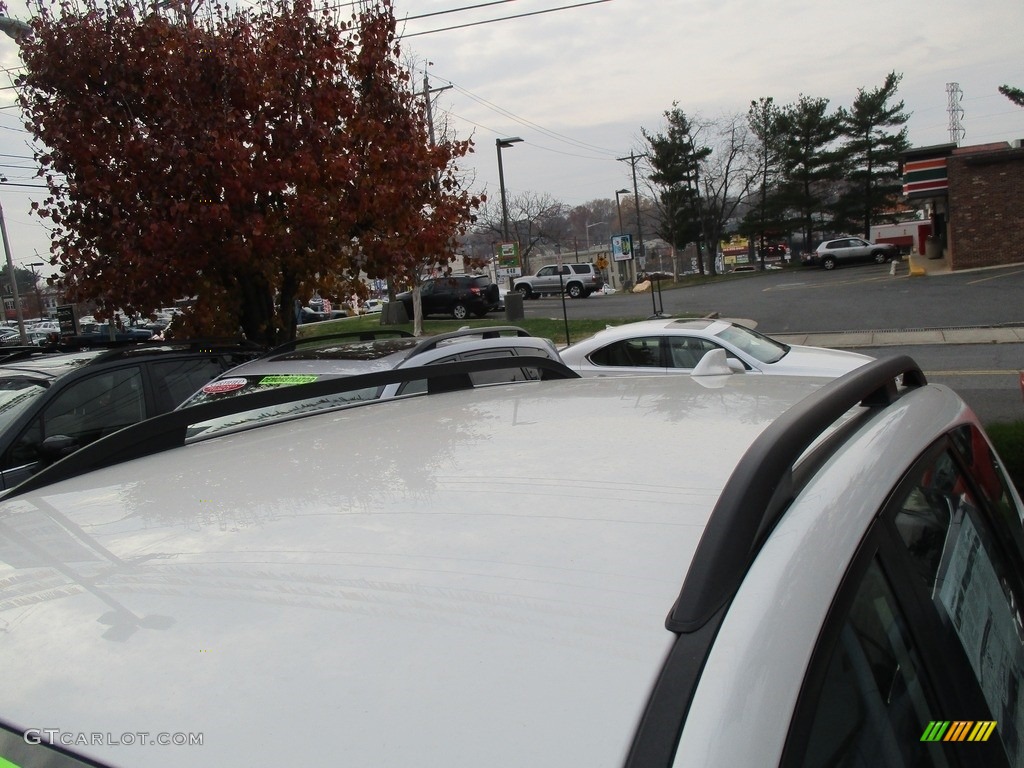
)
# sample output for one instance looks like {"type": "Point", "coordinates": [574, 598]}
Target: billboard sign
{"type": "Point", "coordinates": [622, 247]}
{"type": "Point", "coordinates": [508, 260]}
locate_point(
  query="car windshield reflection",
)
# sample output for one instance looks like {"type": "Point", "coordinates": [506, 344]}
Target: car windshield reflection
{"type": "Point", "coordinates": [754, 344]}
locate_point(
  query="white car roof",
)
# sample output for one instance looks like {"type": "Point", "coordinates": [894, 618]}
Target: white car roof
{"type": "Point", "coordinates": [482, 575]}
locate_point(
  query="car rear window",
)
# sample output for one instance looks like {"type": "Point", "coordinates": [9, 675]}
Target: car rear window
{"type": "Point", "coordinates": [352, 350]}
{"type": "Point", "coordinates": [582, 269]}
{"type": "Point", "coordinates": [16, 394]}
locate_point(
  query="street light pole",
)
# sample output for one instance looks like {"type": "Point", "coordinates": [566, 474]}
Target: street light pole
{"type": "Point", "coordinates": [623, 266]}
{"type": "Point", "coordinates": [13, 278]}
{"type": "Point", "coordinates": [588, 226]}
{"type": "Point", "coordinates": [501, 144]}
{"type": "Point", "coordinates": [618, 205]}
{"type": "Point", "coordinates": [35, 285]}
{"type": "Point", "coordinates": [504, 144]}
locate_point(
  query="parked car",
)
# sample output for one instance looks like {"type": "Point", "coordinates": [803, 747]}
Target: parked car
{"type": "Point", "coordinates": [656, 571]}
{"type": "Point", "coordinates": [124, 333]}
{"type": "Point", "coordinates": [578, 281]}
{"type": "Point", "coordinates": [52, 404]}
{"type": "Point", "coordinates": [342, 355]}
{"type": "Point", "coordinates": [850, 250]}
{"type": "Point", "coordinates": [34, 337]}
{"type": "Point", "coordinates": [458, 295]}
{"type": "Point", "coordinates": [310, 315]}
{"type": "Point", "coordinates": [667, 345]}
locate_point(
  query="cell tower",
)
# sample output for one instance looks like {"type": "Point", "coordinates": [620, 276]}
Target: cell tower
{"type": "Point", "coordinates": [956, 113]}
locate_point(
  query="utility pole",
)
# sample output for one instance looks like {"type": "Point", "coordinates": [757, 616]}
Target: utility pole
{"type": "Point", "coordinates": [633, 158]}
{"type": "Point", "coordinates": [427, 90]}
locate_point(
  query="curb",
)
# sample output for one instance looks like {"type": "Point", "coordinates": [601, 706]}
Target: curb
{"type": "Point", "coordinates": [854, 339]}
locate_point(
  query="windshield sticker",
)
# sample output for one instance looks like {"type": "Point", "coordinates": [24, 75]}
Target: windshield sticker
{"type": "Point", "coordinates": [224, 385]}
{"type": "Point", "coordinates": [287, 379]}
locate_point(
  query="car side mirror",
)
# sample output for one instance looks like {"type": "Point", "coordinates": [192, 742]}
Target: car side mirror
{"type": "Point", "coordinates": [736, 365]}
{"type": "Point", "coordinates": [57, 447]}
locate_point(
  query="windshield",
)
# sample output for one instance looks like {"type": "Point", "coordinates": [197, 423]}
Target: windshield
{"type": "Point", "coordinates": [16, 394]}
{"type": "Point", "coordinates": [754, 344]}
{"type": "Point", "coordinates": [232, 386]}
{"type": "Point", "coordinates": [278, 412]}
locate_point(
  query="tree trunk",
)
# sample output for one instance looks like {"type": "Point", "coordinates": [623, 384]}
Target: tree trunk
{"type": "Point", "coordinates": [258, 317]}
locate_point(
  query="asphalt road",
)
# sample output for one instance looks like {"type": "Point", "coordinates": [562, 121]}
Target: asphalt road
{"type": "Point", "coordinates": [809, 300]}
{"type": "Point", "coordinates": [861, 298]}
{"type": "Point", "coordinates": [986, 376]}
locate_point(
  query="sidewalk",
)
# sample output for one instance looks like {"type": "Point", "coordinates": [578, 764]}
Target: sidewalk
{"type": "Point", "coordinates": [853, 339]}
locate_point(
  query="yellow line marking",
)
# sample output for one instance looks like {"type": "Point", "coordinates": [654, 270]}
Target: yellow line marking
{"type": "Point", "coordinates": [995, 277]}
{"type": "Point", "coordinates": [972, 373]}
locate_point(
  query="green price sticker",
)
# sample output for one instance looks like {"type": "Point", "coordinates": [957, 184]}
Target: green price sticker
{"type": "Point", "coordinates": [287, 379]}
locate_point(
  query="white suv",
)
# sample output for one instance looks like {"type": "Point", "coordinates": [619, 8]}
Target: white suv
{"type": "Point", "coordinates": [577, 281]}
{"type": "Point", "coordinates": [851, 250]}
{"type": "Point", "coordinates": [720, 570]}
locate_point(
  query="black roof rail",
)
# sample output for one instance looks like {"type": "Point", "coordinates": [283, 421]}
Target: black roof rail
{"type": "Point", "coordinates": [170, 430]}
{"type": "Point", "coordinates": [211, 345]}
{"type": "Point", "coordinates": [484, 332]}
{"type": "Point", "coordinates": [9, 354]}
{"type": "Point", "coordinates": [761, 486]}
{"type": "Point", "coordinates": [392, 333]}
{"type": "Point", "coordinates": [95, 341]}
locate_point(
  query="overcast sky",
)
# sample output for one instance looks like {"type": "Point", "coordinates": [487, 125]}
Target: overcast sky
{"type": "Point", "coordinates": [579, 84]}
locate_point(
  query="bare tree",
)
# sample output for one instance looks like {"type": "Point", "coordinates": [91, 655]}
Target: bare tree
{"type": "Point", "coordinates": [534, 219]}
{"type": "Point", "coordinates": [725, 179]}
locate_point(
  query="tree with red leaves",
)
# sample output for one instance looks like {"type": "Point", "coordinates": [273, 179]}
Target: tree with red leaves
{"type": "Point", "coordinates": [241, 157]}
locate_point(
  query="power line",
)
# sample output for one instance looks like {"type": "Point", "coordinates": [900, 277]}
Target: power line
{"type": "Point", "coordinates": [529, 124]}
{"type": "Point", "coordinates": [456, 10]}
{"type": "Point", "coordinates": [501, 18]}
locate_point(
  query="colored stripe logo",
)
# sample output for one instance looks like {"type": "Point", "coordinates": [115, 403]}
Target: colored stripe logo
{"type": "Point", "coordinates": [959, 730]}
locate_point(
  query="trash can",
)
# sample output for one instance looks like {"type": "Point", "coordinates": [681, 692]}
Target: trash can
{"type": "Point", "coordinates": [514, 306]}
{"type": "Point", "coordinates": [393, 313]}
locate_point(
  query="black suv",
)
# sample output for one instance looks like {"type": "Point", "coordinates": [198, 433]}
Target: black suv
{"type": "Point", "coordinates": [457, 295]}
{"type": "Point", "coordinates": [51, 404]}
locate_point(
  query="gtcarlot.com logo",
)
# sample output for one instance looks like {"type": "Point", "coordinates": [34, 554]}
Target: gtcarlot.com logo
{"type": "Point", "coordinates": [958, 730]}
{"type": "Point", "coordinates": [127, 739]}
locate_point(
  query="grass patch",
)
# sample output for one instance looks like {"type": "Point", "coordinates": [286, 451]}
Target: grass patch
{"type": "Point", "coordinates": [547, 328]}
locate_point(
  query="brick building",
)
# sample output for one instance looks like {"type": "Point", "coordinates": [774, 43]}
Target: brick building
{"type": "Point", "coordinates": [974, 197]}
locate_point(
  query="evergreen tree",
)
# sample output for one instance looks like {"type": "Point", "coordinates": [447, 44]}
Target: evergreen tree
{"type": "Point", "coordinates": [875, 138]}
{"type": "Point", "coordinates": [811, 165]}
{"type": "Point", "coordinates": [675, 163]}
{"type": "Point", "coordinates": [1016, 95]}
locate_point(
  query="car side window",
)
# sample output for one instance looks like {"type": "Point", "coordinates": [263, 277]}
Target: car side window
{"type": "Point", "coordinates": [874, 699]}
{"type": "Point", "coordinates": [478, 378]}
{"type": "Point", "coordinates": [686, 352]}
{"type": "Point", "coordinates": [86, 410]}
{"type": "Point", "coordinates": [427, 287]}
{"type": "Point", "coordinates": [175, 380]}
{"type": "Point", "coordinates": [965, 563]}
{"type": "Point", "coordinates": [643, 352]}
{"type": "Point", "coordinates": [546, 272]}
